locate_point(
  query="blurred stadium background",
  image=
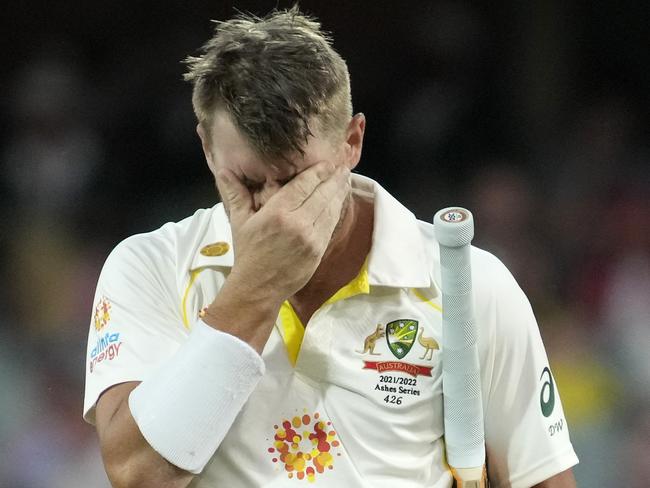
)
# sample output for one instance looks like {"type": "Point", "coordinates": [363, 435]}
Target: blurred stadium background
{"type": "Point", "coordinates": [533, 114]}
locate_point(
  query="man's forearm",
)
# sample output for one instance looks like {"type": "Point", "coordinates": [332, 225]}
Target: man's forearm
{"type": "Point", "coordinates": [565, 479]}
{"type": "Point", "coordinates": [129, 460]}
{"type": "Point", "coordinates": [185, 407]}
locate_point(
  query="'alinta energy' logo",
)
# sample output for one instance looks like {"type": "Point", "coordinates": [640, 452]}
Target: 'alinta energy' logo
{"type": "Point", "coordinates": [304, 445]}
{"type": "Point", "coordinates": [102, 314]}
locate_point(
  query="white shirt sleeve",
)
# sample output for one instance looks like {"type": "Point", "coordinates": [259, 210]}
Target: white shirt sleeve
{"type": "Point", "coordinates": [526, 434]}
{"type": "Point", "coordinates": [136, 322]}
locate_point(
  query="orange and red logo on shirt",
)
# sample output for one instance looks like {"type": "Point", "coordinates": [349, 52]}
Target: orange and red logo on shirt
{"type": "Point", "coordinates": [305, 446]}
{"type": "Point", "coordinates": [102, 313]}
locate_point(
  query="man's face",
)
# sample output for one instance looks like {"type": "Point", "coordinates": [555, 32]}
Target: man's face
{"type": "Point", "coordinates": [227, 149]}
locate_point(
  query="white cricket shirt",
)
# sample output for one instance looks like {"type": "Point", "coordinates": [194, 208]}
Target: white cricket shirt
{"type": "Point", "coordinates": [355, 398]}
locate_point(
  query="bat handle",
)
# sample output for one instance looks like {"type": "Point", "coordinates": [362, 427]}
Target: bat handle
{"type": "Point", "coordinates": [461, 381]}
{"type": "Point", "coordinates": [454, 227]}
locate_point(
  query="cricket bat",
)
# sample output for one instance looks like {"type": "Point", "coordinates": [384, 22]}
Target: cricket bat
{"type": "Point", "coordinates": [461, 372]}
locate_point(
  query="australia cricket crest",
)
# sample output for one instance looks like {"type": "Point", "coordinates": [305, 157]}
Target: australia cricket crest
{"type": "Point", "coordinates": [400, 335]}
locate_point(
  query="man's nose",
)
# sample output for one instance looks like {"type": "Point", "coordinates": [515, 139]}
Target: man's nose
{"type": "Point", "coordinates": [263, 195]}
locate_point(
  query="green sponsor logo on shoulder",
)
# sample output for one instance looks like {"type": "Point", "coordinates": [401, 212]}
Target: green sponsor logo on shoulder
{"type": "Point", "coordinates": [547, 395]}
{"type": "Point", "coordinates": [400, 335]}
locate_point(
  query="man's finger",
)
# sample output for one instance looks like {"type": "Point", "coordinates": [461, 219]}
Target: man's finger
{"type": "Point", "coordinates": [327, 193]}
{"type": "Point", "coordinates": [237, 198]}
{"type": "Point", "coordinates": [295, 192]}
{"type": "Point", "coordinates": [327, 215]}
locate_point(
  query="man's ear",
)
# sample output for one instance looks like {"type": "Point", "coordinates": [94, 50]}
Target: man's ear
{"type": "Point", "coordinates": [205, 144]}
{"type": "Point", "coordinates": [354, 140]}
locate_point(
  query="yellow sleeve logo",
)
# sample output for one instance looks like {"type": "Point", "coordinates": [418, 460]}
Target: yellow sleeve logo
{"type": "Point", "coordinates": [102, 313]}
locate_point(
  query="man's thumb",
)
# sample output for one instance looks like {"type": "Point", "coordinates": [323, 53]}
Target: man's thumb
{"type": "Point", "coordinates": [235, 195]}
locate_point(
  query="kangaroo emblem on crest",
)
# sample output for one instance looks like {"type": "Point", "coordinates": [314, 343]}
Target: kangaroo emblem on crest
{"type": "Point", "coordinates": [370, 341]}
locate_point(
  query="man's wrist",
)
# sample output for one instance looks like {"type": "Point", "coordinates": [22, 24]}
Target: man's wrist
{"type": "Point", "coordinates": [240, 311]}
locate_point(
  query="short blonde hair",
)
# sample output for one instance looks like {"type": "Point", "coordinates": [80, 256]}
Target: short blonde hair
{"type": "Point", "coordinates": [275, 76]}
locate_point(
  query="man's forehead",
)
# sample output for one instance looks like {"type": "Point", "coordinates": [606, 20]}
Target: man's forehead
{"type": "Point", "coordinates": [225, 133]}
{"type": "Point", "coordinates": [230, 144]}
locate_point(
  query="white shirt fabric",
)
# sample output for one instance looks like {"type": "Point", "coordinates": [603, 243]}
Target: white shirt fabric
{"type": "Point", "coordinates": [359, 415]}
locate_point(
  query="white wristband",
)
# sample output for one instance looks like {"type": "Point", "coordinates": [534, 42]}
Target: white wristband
{"type": "Point", "coordinates": [185, 409]}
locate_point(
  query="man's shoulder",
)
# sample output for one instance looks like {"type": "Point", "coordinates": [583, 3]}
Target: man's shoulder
{"type": "Point", "coordinates": [170, 244]}
{"type": "Point", "coordinates": [488, 271]}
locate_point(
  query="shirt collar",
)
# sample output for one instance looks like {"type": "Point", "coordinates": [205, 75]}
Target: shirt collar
{"type": "Point", "coordinates": [397, 258]}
